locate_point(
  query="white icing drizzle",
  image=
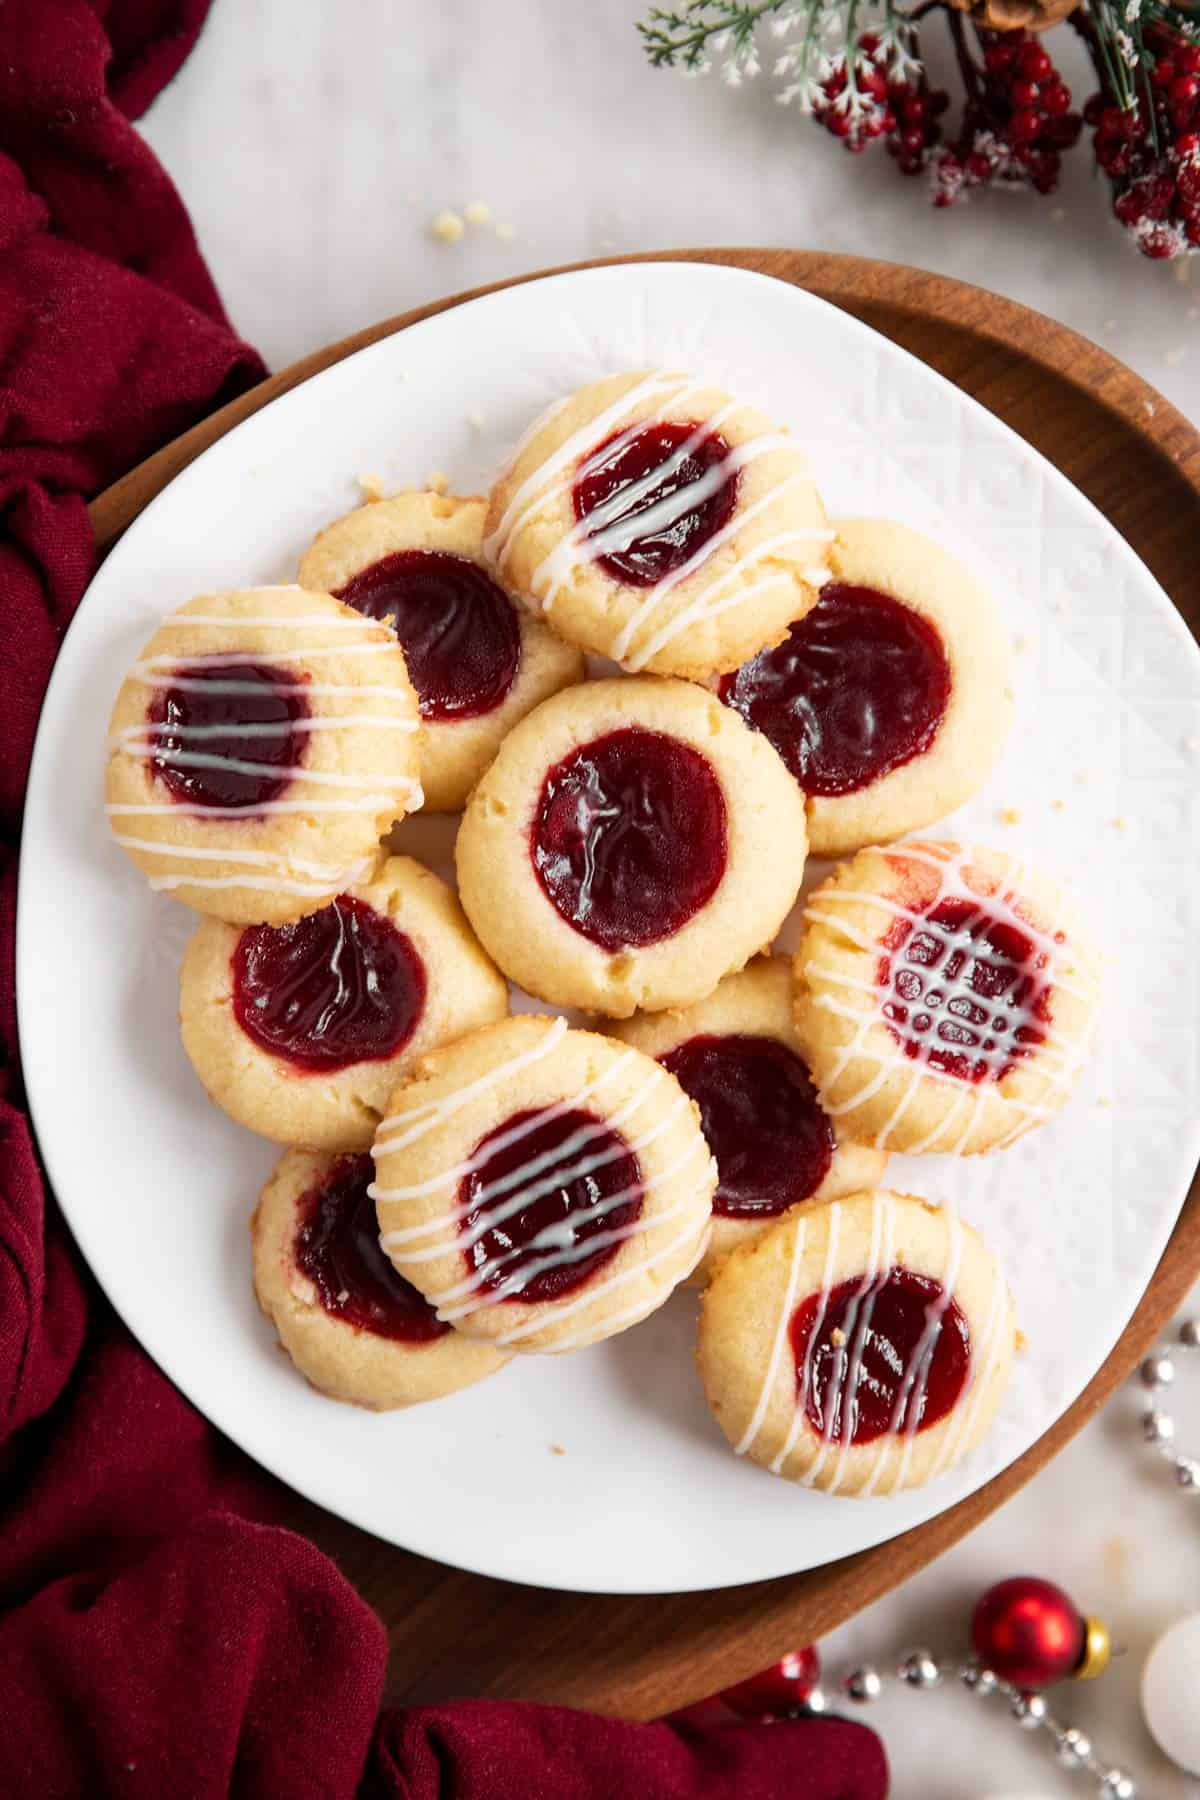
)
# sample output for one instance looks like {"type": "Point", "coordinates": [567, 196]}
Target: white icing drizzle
{"type": "Point", "coordinates": [874, 1040]}
{"type": "Point", "coordinates": [559, 1245]}
{"type": "Point", "coordinates": [841, 1390]}
{"type": "Point", "coordinates": [143, 741]}
{"type": "Point", "coordinates": [615, 524]}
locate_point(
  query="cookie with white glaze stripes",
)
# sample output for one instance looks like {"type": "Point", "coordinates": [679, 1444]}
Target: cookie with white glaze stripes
{"type": "Point", "coordinates": [654, 519]}
{"type": "Point", "coordinates": [861, 1346]}
{"type": "Point", "coordinates": [945, 997]}
{"type": "Point", "coordinates": [544, 1188]}
{"type": "Point", "coordinates": [260, 746]}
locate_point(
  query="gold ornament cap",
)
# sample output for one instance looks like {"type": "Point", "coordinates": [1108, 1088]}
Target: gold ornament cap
{"type": "Point", "coordinates": [1097, 1648]}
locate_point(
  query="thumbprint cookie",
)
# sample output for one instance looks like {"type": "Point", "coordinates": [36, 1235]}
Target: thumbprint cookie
{"type": "Point", "coordinates": [945, 996]}
{"type": "Point", "coordinates": [543, 1188]}
{"type": "Point", "coordinates": [653, 519]}
{"type": "Point", "coordinates": [301, 1031]}
{"type": "Point", "coordinates": [738, 1056]}
{"type": "Point", "coordinates": [353, 1327]}
{"type": "Point", "coordinates": [860, 1347]}
{"type": "Point", "coordinates": [478, 661]}
{"type": "Point", "coordinates": [259, 747]}
{"type": "Point", "coordinates": [633, 841]}
{"type": "Point", "coordinates": [889, 699]}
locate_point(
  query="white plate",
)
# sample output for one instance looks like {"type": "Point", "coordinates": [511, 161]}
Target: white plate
{"type": "Point", "coordinates": [158, 1185]}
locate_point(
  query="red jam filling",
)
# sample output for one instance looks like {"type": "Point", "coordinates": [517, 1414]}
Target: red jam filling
{"type": "Point", "coordinates": [891, 1355]}
{"type": "Point", "coordinates": [541, 1198]}
{"type": "Point", "coordinates": [964, 989]}
{"type": "Point", "coordinates": [458, 630]}
{"type": "Point", "coordinates": [760, 1114]}
{"type": "Point", "coordinates": [337, 1248]}
{"type": "Point", "coordinates": [857, 688]}
{"type": "Point", "coordinates": [614, 488]}
{"type": "Point", "coordinates": [341, 986]}
{"type": "Point", "coordinates": [628, 840]}
{"type": "Point", "coordinates": [225, 732]}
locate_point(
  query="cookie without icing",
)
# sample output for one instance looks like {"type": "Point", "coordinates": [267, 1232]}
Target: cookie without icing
{"type": "Point", "coordinates": [478, 661]}
{"type": "Point", "coordinates": [301, 1031]}
{"type": "Point", "coordinates": [890, 699]}
{"type": "Point", "coordinates": [945, 997]}
{"type": "Point", "coordinates": [633, 842]}
{"type": "Point", "coordinates": [353, 1327]}
{"type": "Point", "coordinates": [652, 519]}
{"type": "Point", "coordinates": [544, 1188]}
{"type": "Point", "coordinates": [738, 1056]}
{"type": "Point", "coordinates": [259, 747]}
{"type": "Point", "coordinates": [861, 1346]}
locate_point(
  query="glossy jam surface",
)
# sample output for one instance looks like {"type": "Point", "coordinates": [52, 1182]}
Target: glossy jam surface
{"type": "Point", "coordinates": [857, 688]}
{"type": "Point", "coordinates": [458, 630]}
{"type": "Point", "coordinates": [338, 987]}
{"type": "Point", "coordinates": [629, 839]}
{"type": "Point", "coordinates": [227, 733]}
{"type": "Point", "coordinates": [964, 990]}
{"type": "Point", "coordinates": [891, 1355]}
{"type": "Point", "coordinates": [337, 1247]}
{"type": "Point", "coordinates": [660, 493]}
{"type": "Point", "coordinates": [546, 1206]}
{"type": "Point", "coordinates": [760, 1115]}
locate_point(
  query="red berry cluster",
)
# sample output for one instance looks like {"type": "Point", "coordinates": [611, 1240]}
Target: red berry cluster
{"type": "Point", "coordinates": [1016, 123]}
{"type": "Point", "coordinates": [1151, 155]}
{"type": "Point", "coordinates": [906, 113]}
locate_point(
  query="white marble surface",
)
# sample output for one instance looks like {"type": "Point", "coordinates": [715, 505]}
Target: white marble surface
{"type": "Point", "coordinates": [313, 145]}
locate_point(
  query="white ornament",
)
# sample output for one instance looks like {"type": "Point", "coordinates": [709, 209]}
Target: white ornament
{"type": "Point", "coordinates": [1170, 1684]}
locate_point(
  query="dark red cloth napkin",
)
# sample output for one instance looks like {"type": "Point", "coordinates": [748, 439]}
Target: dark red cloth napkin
{"type": "Point", "coordinates": [158, 1635]}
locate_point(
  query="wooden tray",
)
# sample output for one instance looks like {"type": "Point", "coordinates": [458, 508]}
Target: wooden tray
{"type": "Point", "coordinates": [454, 1634]}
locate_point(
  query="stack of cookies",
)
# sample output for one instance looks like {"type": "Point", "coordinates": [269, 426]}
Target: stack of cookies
{"type": "Point", "coordinates": [463, 1184]}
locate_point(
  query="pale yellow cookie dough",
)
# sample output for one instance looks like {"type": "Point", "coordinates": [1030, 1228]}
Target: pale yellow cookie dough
{"type": "Point", "coordinates": [341, 1359]}
{"type": "Point", "coordinates": [755, 1002]}
{"type": "Point", "coordinates": [909, 567]}
{"type": "Point", "coordinates": [536, 945]}
{"type": "Point", "coordinates": [735, 595]}
{"type": "Point", "coordinates": [454, 751]}
{"type": "Point", "coordinates": [748, 1367]}
{"type": "Point", "coordinates": [337, 1109]}
{"type": "Point", "coordinates": [358, 774]}
{"type": "Point", "coordinates": [867, 1081]}
{"type": "Point", "coordinates": [460, 1095]}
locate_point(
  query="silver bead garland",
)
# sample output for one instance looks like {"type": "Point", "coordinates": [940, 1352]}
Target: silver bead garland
{"type": "Point", "coordinates": [1156, 1375]}
{"type": "Point", "coordinates": [922, 1670]}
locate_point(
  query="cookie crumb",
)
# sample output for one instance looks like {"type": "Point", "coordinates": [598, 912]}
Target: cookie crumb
{"type": "Point", "coordinates": [1009, 815]}
{"type": "Point", "coordinates": [477, 212]}
{"type": "Point", "coordinates": [837, 1337]}
{"type": "Point", "coordinates": [505, 232]}
{"type": "Point", "coordinates": [1120, 822]}
{"type": "Point", "coordinates": [446, 226]}
{"type": "Point", "coordinates": [1058, 806]}
{"type": "Point", "coordinates": [437, 481]}
{"type": "Point", "coordinates": [1115, 1555]}
{"type": "Point", "coordinates": [1183, 270]}
{"type": "Point", "coordinates": [1020, 1343]}
{"type": "Point", "coordinates": [372, 486]}
{"type": "Point", "coordinates": [557, 1450]}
